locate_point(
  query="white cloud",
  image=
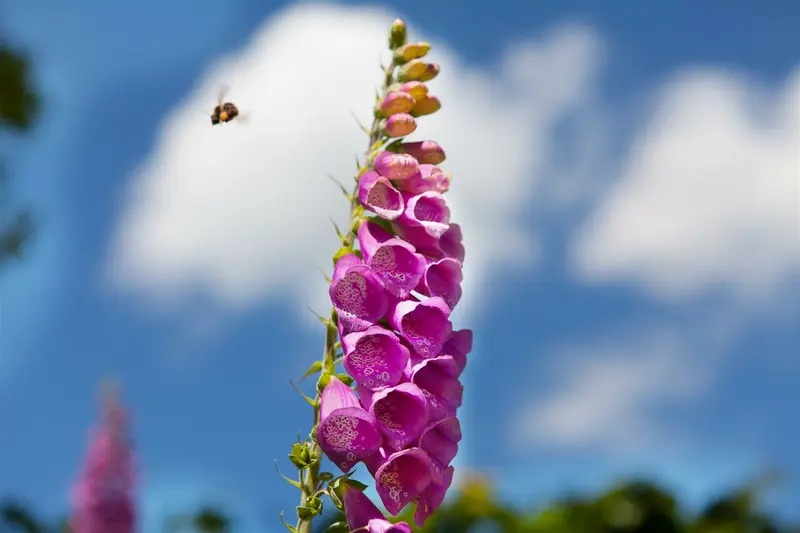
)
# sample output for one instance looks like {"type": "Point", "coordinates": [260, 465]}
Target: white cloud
{"type": "Point", "coordinates": [238, 213]}
{"type": "Point", "coordinates": [607, 392]}
{"type": "Point", "coordinates": [709, 196]}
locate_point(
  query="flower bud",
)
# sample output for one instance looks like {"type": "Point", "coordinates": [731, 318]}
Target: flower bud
{"type": "Point", "coordinates": [397, 34]}
{"type": "Point", "coordinates": [416, 89]}
{"type": "Point", "coordinates": [411, 71]}
{"type": "Point", "coordinates": [399, 125]}
{"type": "Point", "coordinates": [396, 102]}
{"type": "Point", "coordinates": [427, 105]}
{"type": "Point", "coordinates": [410, 51]}
{"type": "Point", "coordinates": [396, 166]}
{"type": "Point", "coordinates": [425, 152]}
{"type": "Point", "coordinates": [431, 71]}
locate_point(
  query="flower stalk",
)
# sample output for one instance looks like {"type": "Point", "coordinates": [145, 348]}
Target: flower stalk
{"type": "Point", "coordinates": [396, 279]}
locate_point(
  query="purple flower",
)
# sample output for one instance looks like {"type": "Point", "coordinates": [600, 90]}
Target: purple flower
{"type": "Point", "coordinates": [429, 178]}
{"type": "Point", "coordinates": [375, 358]}
{"type": "Point", "coordinates": [443, 278]}
{"type": "Point", "coordinates": [426, 152]}
{"type": "Point", "coordinates": [437, 378]}
{"type": "Point", "coordinates": [448, 245]}
{"type": "Point", "coordinates": [396, 102]}
{"type": "Point", "coordinates": [393, 259]}
{"type": "Point", "coordinates": [425, 325]}
{"type": "Point", "coordinates": [401, 412]}
{"type": "Point", "coordinates": [428, 211]}
{"type": "Point", "coordinates": [399, 125]}
{"type": "Point", "coordinates": [432, 497]}
{"type": "Point", "coordinates": [346, 432]}
{"type": "Point", "coordinates": [458, 346]}
{"type": "Point", "coordinates": [361, 513]}
{"type": "Point", "coordinates": [357, 294]}
{"type": "Point", "coordinates": [440, 441]}
{"type": "Point", "coordinates": [400, 477]}
{"type": "Point", "coordinates": [378, 195]}
{"type": "Point", "coordinates": [396, 167]}
{"type": "Point", "coordinates": [103, 495]}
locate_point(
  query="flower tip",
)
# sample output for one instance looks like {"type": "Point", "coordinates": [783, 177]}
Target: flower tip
{"type": "Point", "coordinates": [411, 51]}
{"type": "Point", "coordinates": [414, 70]}
{"type": "Point", "coordinates": [431, 71]}
{"type": "Point", "coordinates": [397, 34]}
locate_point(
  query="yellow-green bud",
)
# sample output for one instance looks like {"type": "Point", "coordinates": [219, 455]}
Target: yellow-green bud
{"type": "Point", "coordinates": [397, 34]}
{"type": "Point", "coordinates": [411, 71]}
{"type": "Point", "coordinates": [431, 71]}
{"type": "Point", "coordinates": [410, 51]}
{"type": "Point", "coordinates": [426, 106]}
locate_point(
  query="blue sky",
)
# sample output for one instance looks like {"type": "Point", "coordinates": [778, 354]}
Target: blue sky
{"type": "Point", "coordinates": [627, 182]}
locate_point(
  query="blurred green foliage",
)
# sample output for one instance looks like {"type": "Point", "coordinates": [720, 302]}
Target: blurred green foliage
{"type": "Point", "coordinates": [632, 507]}
{"type": "Point", "coordinates": [19, 106]}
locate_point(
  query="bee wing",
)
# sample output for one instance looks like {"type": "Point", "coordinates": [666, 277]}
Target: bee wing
{"type": "Point", "coordinates": [223, 91]}
{"type": "Point", "coordinates": [245, 118]}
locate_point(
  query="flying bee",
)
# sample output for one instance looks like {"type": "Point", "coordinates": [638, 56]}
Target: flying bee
{"type": "Point", "coordinates": [224, 111]}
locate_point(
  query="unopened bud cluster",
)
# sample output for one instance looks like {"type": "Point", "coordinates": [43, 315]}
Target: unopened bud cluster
{"type": "Point", "coordinates": [396, 281]}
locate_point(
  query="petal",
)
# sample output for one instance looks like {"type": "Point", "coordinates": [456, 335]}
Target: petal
{"type": "Point", "coordinates": [336, 395]}
{"type": "Point", "coordinates": [429, 178]}
{"type": "Point", "coordinates": [361, 513]}
{"type": "Point", "coordinates": [401, 477]}
{"type": "Point", "coordinates": [426, 152]}
{"type": "Point", "coordinates": [343, 264]}
{"type": "Point", "coordinates": [396, 102]}
{"type": "Point", "coordinates": [459, 345]}
{"type": "Point", "coordinates": [401, 412]}
{"type": "Point", "coordinates": [395, 166]}
{"type": "Point", "coordinates": [415, 88]}
{"type": "Point", "coordinates": [399, 125]}
{"type": "Point", "coordinates": [443, 278]}
{"type": "Point", "coordinates": [370, 236]}
{"type": "Point", "coordinates": [359, 297]}
{"type": "Point", "coordinates": [437, 379]}
{"type": "Point", "coordinates": [427, 210]}
{"type": "Point", "coordinates": [440, 440]}
{"type": "Point", "coordinates": [379, 525]}
{"type": "Point", "coordinates": [375, 358]}
{"type": "Point", "coordinates": [400, 268]}
{"type": "Point", "coordinates": [432, 497]}
{"type": "Point", "coordinates": [427, 105]}
{"type": "Point", "coordinates": [358, 508]}
{"type": "Point", "coordinates": [425, 325]}
{"type": "Point", "coordinates": [396, 262]}
{"type": "Point", "coordinates": [378, 195]}
{"type": "Point", "coordinates": [450, 243]}
{"type": "Point", "coordinates": [419, 238]}
{"type": "Point", "coordinates": [349, 435]}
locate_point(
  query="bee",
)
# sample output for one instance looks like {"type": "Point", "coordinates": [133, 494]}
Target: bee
{"type": "Point", "coordinates": [224, 111]}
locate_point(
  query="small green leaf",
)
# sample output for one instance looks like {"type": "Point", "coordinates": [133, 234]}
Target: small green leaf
{"type": "Point", "coordinates": [301, 393]}
{"type": "Point", "coordinates": [313, 369]}
{"type": "Point", "coordinates": [312, 508]}
{"type": "Point", "coordinates": [335, 498]}
{"type": "Point", "coordinates": [323, 381]}
{"type": "Point", "coordinates": [336, 228]}
{"type": "Point", "coordinates": [289, 527]}
{"type": "Point", "coordinates": [344, 378]}
{"type": "Point", "coordinates": [290, 481]}
{"type": "Point", "coordinates": [325, 476]}
{"type": "Point", "coordinates": [321, 318]}
{"type": "Point", "coordinates": [341, 187]}
{"type": "Point", "coordinates": [356, 484]}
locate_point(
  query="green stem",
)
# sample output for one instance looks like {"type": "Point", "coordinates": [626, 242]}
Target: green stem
{"type": "Point", "coordinates": [309, 481]}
